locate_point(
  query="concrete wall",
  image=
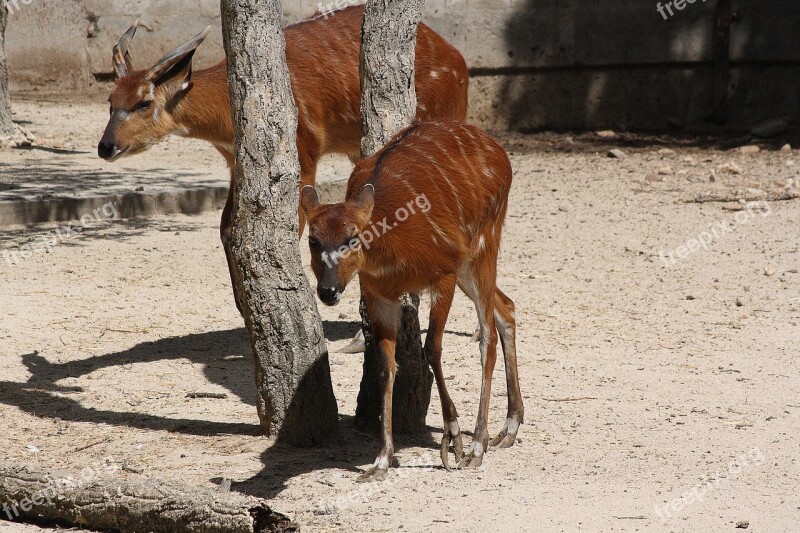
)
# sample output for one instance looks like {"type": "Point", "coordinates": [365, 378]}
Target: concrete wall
{"type": "Point", "coordinates": [555, 64]}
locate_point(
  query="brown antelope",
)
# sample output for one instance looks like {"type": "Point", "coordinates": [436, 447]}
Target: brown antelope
{"type": "Point", "coordinates": [323, 58]}
{"type": "Point", "coordinates": [424, 213]}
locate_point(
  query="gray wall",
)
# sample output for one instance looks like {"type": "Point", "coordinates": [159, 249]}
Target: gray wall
{"type": "Point", "coordinates": [554, 64]}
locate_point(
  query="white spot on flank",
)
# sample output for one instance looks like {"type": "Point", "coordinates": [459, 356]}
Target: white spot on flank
{"type": "Point", "coordinates": [434, 74]}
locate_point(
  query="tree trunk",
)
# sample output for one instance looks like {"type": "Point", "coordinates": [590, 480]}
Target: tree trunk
{"type": "Point", "coordinates": [90, 501]}
{"type": "Point", "coordinates": [295, 393]}
{"type": "Point", "coordinates": [389, 104]}
{"type": "Point", "coordinates": [6, 126]}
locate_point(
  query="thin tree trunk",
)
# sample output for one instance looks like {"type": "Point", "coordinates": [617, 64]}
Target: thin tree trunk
{"type": "Point", "coordinates": [6, 126]}
{"type": "Point", "coordinates": [295, 393]}
{"type": "Point", "coordinates": [389, 104]}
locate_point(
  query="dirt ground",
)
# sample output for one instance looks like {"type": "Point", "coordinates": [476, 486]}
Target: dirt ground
{"type": "Point", "coordinates": [661, 394]}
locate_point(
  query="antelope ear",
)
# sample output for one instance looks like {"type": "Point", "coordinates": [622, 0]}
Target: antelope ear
{"type": "Point", "coordinates": [365, 200]}
{"type": "Point", "coordinates": [309, 199]}
{"type": "Point", "coordinates": [177, 65]}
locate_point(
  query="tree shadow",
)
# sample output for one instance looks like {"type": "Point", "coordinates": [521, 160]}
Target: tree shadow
{"type": "Point", "coordinates": [227, 361]}
{"type": "Point", "coordinates": [339, 331]}
{"type": "Point", "coordinates": [72, 234]}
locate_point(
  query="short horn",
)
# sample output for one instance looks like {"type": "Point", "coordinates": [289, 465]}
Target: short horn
{"type": "Point", "coordinates": [121, 55]}
{"type": "Point", "coordinates": [171, 58]}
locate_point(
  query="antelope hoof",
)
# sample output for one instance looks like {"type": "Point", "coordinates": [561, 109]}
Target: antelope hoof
{"type": "Point", "coordinates": [458, 449]}
{"type": "Point", "coordinates": [474, 457]}
{"type": "Point", "coordinates": [507, 437]}
{"type": "Point", "coordinates": [373, 474]}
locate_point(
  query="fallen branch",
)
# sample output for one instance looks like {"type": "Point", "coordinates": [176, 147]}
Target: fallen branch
{"type": "Point", "coordinates": [28, 494]}
{"type": "Point", "coordinates": [569, 399]}
{"type": "Point", "coordinates": [711, 198]}
{"type": "Point", "coordinates": [213, 395]}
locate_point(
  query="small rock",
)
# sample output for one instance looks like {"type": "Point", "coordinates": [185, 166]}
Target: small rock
{"type": "Point", "coordinates": [690, 160]}
{"type": "Point", "coordinates": [342, 316]}
{"type": "Point", "coordinates": [713, 177]}
{"type": "Point", "coordinates": [769, 271]}
{"type": "Point", "coordinates": [786, 148]}
{"type": "Point", "coordinates": [653, 178]}
{"type": "Point", "coordinates": [605, 134]}
{"type": "Point", "coordinates": [690, 297]}
{"type": "Point", "coordinates": [563, 209]}
{"type": "Point", "coordinates": [742, 524]}
{"type": "Point", "coordinates": [616, 153]}
{"type": "Point", "coordinates": [750, 149]}
{"type": "Point", "coordinates": [665, 171]}
{"type": "Point", "coordinates": [770, 128]}
{"type": "Point", "coordinates": [739, 302]}
{"type": "Point", "coordinates": [730, 168]}
{"type": "Point", "coordinates": [666, 151]}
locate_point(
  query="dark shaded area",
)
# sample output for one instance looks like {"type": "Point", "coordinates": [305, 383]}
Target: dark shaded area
{"type": "Point", "coordinates": [13, 238]}
{"type": "Point", "coordinates": [227, 361]}
{"type": "Point", "coordinates": [339, 331]}
{"type": "Point", "coordinates": [62, 189]}
{"type": "Point", "coordinates": [716, 65]}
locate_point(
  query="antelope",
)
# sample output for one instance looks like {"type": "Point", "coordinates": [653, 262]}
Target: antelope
{"type": "Point", "coordinates": [323, 59]}
{"type": "Point", "coordinates": [384, 233]}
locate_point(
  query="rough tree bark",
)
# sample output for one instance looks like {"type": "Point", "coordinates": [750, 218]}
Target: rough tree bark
{"type": "Point", "coordinates": [106, 503]}
{"type": "Point", "coordinates": [295, 393]}
{"type": "Point", "coordinates": [388, 104]}
{"type": "Point", "coordinates": [6, 126]}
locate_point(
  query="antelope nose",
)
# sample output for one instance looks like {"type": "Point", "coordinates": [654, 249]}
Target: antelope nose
{"type": "Point", "coordinates": [105, 150]}
{"type": "Point", "coordinates": [329, 295]}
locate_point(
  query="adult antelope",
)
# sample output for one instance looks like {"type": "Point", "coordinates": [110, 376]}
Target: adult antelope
{"type": "Point", "coordinates": [323, 58]}
{"type": "Point", "coordinates": [384, 233]}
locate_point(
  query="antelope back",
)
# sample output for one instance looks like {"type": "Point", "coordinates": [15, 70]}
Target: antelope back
{"type": "Point", "coordinates": [323, 55]}
{"type": "Point", "coordinates": [457, 179]}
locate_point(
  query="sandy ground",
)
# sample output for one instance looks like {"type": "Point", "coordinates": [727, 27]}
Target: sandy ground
{"type": "Point", "coordinates": [659, 396]}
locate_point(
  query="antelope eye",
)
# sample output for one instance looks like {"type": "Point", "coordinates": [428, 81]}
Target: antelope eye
{"type": "Point", "coordinates": [353, 242]}
{"type": "Point", "coordinates": [141, 106]}
{"type": "Point", "coordinates": [313, 242]}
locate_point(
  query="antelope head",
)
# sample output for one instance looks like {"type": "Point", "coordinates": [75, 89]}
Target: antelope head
{"type": "Point", "coordinates": [143, 102]}
{"type": "Point", "coordinates": [338, 234]}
